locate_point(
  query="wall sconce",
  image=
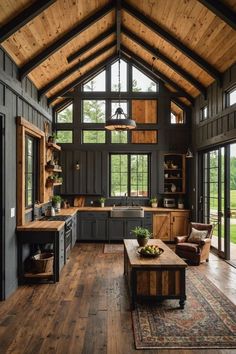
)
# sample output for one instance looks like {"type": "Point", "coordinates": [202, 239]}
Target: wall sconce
{"type": "Point", "coordinates": [189, 154]}
{"type": "Point", "coordinates": [77, 166]}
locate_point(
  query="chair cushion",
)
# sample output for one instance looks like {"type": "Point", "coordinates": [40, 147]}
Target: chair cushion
{"type": "Point", "coordinates": [197, 236]}
{"type": "Point", "coordinates": [188, 247]}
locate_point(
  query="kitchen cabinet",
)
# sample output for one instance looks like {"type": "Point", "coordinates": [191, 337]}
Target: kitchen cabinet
{"type": "Point", "coordinates": [93, 226]}
{"type": "Point", "coordinates": [167, 225]}
{"type": "Point", "coordinates": [120, 228]}
{"type": "Point", "coordinates": [74, 230]}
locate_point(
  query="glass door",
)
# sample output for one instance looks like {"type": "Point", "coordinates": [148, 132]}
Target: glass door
{"type": "Point", "coordinates": [232, 204]}
{"type": "Point", "coordinates": [213, 192]}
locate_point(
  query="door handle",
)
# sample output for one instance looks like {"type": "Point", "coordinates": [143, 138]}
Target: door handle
{"type": "Point", "coordinates": [228, 213]}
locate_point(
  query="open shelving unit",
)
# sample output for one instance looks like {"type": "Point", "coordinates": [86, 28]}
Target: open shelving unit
{"type": "Point", "coordinates": [174, 174]}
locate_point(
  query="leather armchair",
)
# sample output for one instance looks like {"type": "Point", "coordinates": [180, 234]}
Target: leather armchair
{"type": "Point", "coordinates": [195, 252]}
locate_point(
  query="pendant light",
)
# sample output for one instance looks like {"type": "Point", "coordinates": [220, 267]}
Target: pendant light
{"type": "Point", "coordinates": [119, 121]}
{"type": "Point", "coordinates": [189, 154]}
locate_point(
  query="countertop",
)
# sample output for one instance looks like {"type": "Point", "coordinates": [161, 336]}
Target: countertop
{"type": "Point", "coordinates": [99, 209]}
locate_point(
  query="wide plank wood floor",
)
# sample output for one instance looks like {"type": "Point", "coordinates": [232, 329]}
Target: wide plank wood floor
{"type": "Point", "coordinates": [88, 310]}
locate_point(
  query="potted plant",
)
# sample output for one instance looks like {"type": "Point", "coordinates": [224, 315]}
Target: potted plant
{"type": "Point", "coordinates": [56, 202]}
{"type": "Point", "coordinates": [153, 202]}
{"type": "Point", "coordinates": [52, 138]}
{"type": "Point", "coordinates": [102, 201]}
{"type": "Point", "coordinates": [180, 203]}
{"type": "Point", "coordinates": [142, 235]}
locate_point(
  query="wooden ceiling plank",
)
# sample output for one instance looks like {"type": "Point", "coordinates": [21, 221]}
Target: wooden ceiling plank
{"type": "Point", "coordinates": [28, 67]}
{"type": "Point", "coordinates": [23, 18]}
{"type": "Point", "coordinates": [165, 59]}
{"type": "Point", "coordinates": [222, 11]}
{"type": "Point", "coordinates": [144, 66]}
{"type": "Point", "coordinates": [80, 79]}
{"type": "Point", "coordinates": [74, 68]}
{"type": "Point", "coordinates": [173, 41]}
{"type": "Point", "coordinates": [91, 44]}
{"type": "Point", "coordinates": [118, 24]}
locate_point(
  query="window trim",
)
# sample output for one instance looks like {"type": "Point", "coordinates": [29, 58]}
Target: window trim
{"type": "Point", "coordinates": [202, 117]}
{"type": "Point", "coordinates": [227, 95]}
{"type": "Point", "coordinates": [24, 127]}
{"type": "Point", "coordinates": [129, 174]}
{"type": "Point", "coordinates": [34, 173]}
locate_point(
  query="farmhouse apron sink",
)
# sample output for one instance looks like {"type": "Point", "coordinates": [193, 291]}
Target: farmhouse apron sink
{"type": "Point", "coordinates": [127, 212]}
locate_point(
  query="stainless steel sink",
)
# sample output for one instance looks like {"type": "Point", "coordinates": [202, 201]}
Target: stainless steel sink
{"type": "Point", "coordinates": [127, 212]}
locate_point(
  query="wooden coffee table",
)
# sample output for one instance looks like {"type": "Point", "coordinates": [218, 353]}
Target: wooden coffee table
{"type": "Point", "coordinates": [160, 278]}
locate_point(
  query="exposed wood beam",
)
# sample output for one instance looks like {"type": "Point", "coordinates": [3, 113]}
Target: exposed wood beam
{"type": "Point", "coordinates": [80, 79]}
{"type": "Point", "coordinates": [23, 18]}
{"type": "Point", "coordinates": [32, 64]}
{"type": "Point", "coordinates": [221, 10]}
{"type": "Point", "coordinates": [173, 41]}
{"type": "Point", "coordinates": [91, 44]}
{"type": "Point", "coordinates": [143, 65]}
{"type": "Point", "coordinates": [181, 104]}
{"type": "Point", "coordinates": [118, 24]}
{"type": "Point", "coordinates": [165, 59]}
{"type": "Point", "coordinates": [74, 68]}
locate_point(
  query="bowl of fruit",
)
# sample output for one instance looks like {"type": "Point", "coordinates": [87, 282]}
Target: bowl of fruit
{"type": "Point", "coordinates": [150, 251]}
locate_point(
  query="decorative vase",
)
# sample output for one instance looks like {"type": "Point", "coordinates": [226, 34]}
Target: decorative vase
{"type": "Point", "coordinates": [154, 205]}
{"type": "Point", "coordinates": [173, 188]}
{"type": "Point", "coordinates": [102, 205]}
{"type": "Point", "coordinates": [142, 241]}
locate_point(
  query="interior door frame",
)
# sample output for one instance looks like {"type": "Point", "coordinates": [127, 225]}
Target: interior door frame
{"type": "Point", "coordinates": [2, 207]}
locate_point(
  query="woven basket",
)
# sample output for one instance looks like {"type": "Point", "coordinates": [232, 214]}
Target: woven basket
{"type": "Point", "coordinates": [43, 262]}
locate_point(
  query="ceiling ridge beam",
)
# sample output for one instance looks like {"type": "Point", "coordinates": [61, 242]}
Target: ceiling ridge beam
{"type": "Point", "coordinates": [165, 59]}
{"type": "Point", "coordinates": [74, 68]}
{"type": "Point", "coordinates": [157, 74]}
{"type": "Point", "coordinates": [213, 72]}
{"type": "Point", "coordinates": [118, 24]}
{"type": "Point", "coordinates": [54, 47]}
{"type": "Point", "coordinates": [23, 18]}
{"type": "Point", "coordinates": [81, 78]}
{"type": "Point", "coordinates": [91, 44]}
{"type": "Point", "coordinates": [222, 11]}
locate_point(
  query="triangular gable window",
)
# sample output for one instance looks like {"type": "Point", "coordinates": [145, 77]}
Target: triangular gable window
{"type": "Point", "coordinates": [97, 83]}
{"type": "Point", "coordinates": [141, 82]}
{"type": "Point", "coordinates": [115, 76]}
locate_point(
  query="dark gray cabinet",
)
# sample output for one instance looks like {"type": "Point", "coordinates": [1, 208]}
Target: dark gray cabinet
{"type": "Point", "coordinates": [93, 226]}
{"type": "Point", "coordinates": [74, 230]}
{"type": "Point", "coordinates": [120, 228]}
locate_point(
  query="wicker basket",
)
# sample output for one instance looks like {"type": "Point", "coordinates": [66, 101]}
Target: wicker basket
{"type": "Point", "coordinates": [43, 262]}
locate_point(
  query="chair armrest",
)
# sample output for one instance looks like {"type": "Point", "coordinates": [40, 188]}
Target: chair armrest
{"type": "Point", "coordinates": [181, 239]}
{"type": "Point", "coordinates": [204, 242]}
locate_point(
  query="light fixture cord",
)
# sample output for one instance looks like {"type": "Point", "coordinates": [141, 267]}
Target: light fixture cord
{"type": "Point", "coordinates": [119, 78]}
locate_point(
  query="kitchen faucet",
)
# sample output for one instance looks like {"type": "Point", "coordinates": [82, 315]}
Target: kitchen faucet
{"type": "Point", "coordinates": [126, 199]}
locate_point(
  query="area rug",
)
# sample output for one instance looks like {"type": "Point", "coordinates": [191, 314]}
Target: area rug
{"type": "Point", "coordinates": [207, 321]}
{"type": "Point", "coordinates": [113, 248]}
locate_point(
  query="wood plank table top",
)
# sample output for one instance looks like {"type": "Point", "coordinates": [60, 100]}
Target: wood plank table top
{"type": "Point", "coordinates": [167, 259]}
{"type": "Point", "coordinates": [42, 226]}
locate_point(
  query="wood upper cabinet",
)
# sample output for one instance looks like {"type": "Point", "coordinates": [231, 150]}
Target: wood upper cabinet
{"type": "Point", "coordinates": [161, 226]}
{"type": "Point", "coordinates": [179, 223]}
{"type": "Point", "coordinates": [167, 225]}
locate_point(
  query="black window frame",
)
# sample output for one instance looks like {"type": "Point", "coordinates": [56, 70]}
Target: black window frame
{"type": "Point", "coordinates": [227, 95]}
{"type": "Point", "coordinates": [129, 154]}
{"type": "Point", "coordinates": [202, 113]}
{"type": "Point", "coordinates": [35, 170]}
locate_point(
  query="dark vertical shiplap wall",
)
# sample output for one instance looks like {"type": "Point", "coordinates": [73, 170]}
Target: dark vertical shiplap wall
{"type": "Point", "coordinates": [217, 129]}
{"type": "Point", "coordinates": [16, 99]}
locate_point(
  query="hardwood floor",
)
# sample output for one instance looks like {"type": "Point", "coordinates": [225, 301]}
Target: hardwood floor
{"type": "Point", "coordinates": [88, 310]}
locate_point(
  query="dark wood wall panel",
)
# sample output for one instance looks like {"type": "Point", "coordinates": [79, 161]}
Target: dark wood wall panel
{"type": "Point", "coordinates": [16, 99]}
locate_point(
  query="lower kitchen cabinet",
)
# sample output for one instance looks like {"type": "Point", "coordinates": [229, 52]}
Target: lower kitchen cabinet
{"type": "Point", "coordinates": [93, 226]}
{"type": "Point", "coordinates": [74, 230]}
{"type": "Point", "coordinates": [120, 228]}
{"type": "Point", "coordinates": [168, 225]}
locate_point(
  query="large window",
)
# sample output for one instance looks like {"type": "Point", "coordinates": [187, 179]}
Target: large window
{"type": "Point", "coordinates": [129, 175]}
{"type": "Point", "coordinates": [65, 115]}
{"type": "Point", "coordinates": [31, 171]}
{"type": "Point", "coordinates": [142, 83]}
{"type": "Point", "coordinates": [94, 111]}
{"type": "Point", "coordinates": [115, 76]}
{"type": "Point", "coordinates": [231, 96]}
{"type": "Point", "coordinates": [94, 136]}
{"type": "Point", "coordinates": [98, 83]}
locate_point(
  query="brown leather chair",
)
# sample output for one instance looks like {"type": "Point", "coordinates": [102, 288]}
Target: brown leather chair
{"type": "Point", "coordinates": [195, 252]}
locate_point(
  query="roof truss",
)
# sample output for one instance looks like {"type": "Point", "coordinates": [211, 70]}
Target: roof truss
{"type": "Point", "coordinates": [144, 66]}
{"type": "Point", "coordinates": [173, 41]}
{"type": "Point", "coordinates": [82, 78]}
{"type": "Point", "coordinates": [24, 17]}
{"type": "Point", "coordinates": [165, 59]}
{"type": "Point", "coordinates": [28, 67]}
{"type": "Point", "coordinates": [74, 68]}
{"type": "Point", "coordinates": [221, 10]}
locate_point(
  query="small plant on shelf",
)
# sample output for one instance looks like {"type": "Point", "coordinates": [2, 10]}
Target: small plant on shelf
{"type": "Point", "coordinates": [142, 234]}
{"type": "Point", "coordinates": [102, 201]}
{"type": "Point", "coordinates": [153, 202]}
{"type": "Point", "coordinates": [52, 138]}
{"type": "Point", "coordinates": [56, 202]}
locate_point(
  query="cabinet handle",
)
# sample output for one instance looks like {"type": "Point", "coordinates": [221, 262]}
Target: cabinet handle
{"type": "Point", "coordinates": [173, 218]}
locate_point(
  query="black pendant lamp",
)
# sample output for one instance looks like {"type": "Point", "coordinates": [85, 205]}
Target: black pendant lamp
{"type": "Point", "coordinates": [119, 121]}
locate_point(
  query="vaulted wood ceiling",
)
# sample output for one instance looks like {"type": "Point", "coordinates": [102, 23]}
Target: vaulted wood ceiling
{"type": "Point", "coordinates": [193, 41]}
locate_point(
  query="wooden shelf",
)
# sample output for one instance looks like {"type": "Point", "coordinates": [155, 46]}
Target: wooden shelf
{"type": "Point", "coordinates": [174, 193]}
{"type": "Point", "coordinates": [49, 184]}
{"type": "Point", "coordinates": [173, 178]}
{"type": "Point", "coordinates": [38, 275]}
{"type": "Point", "coordinates": [51, 169]}
{"type": "Point", "coordinates": [53, 146]}
{"type": "Point", "coordinates": [172, 169]}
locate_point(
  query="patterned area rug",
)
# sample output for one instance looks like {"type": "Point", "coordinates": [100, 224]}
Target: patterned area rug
{"type": "Point", "coordinates": [113, 248]}
{"type": "Point", "coordinates": [207, 321]}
